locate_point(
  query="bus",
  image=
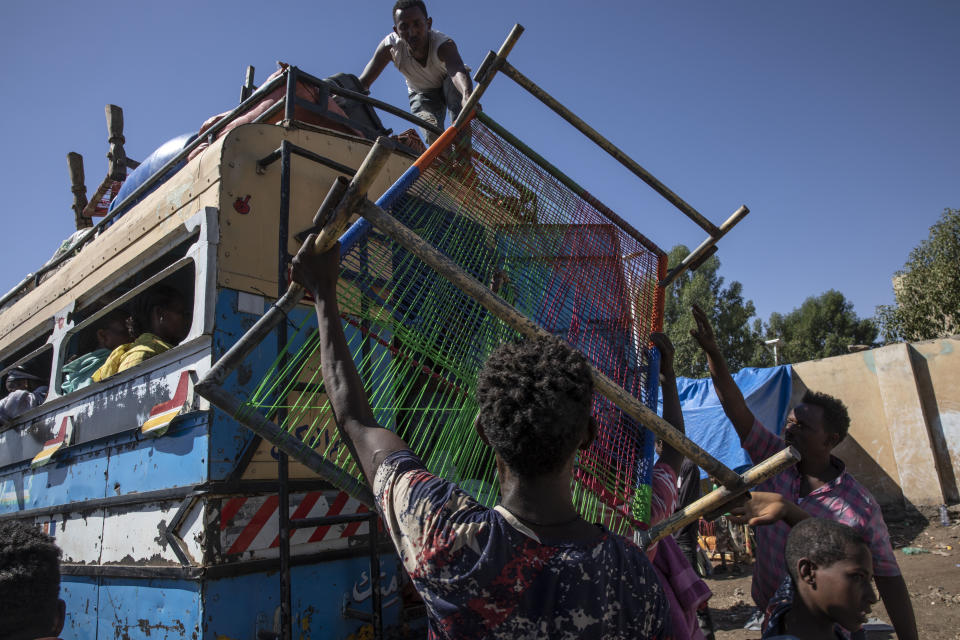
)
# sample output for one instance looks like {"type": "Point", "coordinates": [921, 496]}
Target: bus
{"type": "Point", "coordinates": [168, 511]}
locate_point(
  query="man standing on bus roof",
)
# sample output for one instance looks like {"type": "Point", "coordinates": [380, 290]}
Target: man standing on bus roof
{"type": "Point", "coordinates": [437, 79]}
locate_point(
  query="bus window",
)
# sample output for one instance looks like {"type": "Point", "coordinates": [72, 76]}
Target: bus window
{"type": "Point", "coordinates": [161, 320]}
{"type": "Point", "coordinates": [90, 348]}
{"type": "Point", "coordinates": [25, 376]}
{"type": "Point", "coordinates": [151, 318]}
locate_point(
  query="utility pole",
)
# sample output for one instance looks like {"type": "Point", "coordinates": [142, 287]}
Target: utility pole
{"type": "Point", "coordinates": [775, 342]}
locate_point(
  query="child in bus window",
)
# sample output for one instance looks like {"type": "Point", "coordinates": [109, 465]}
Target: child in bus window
{"type": "Point", "coordinates": [166, 314]}
{"type": "Point", "coordinates": [110, 332]}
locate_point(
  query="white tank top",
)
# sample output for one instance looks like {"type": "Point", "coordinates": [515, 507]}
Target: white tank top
{"type": "Point", "coordinates": [419, 77]}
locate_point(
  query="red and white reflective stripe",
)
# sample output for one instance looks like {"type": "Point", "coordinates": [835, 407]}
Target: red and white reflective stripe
{"type": "Point", "coordinates": [163, 414]}
{"type": "Point", "coordinates": [251, 524]}
{"type": "Point", "coordinates": [63, 438]}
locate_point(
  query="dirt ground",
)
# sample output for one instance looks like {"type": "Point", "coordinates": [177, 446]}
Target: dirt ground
{"type": "Point", "coordinates": [933, 580]}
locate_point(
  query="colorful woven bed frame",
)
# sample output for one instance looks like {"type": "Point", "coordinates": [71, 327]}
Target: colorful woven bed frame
{"type": "Point", "coordinates": [419, 341]}
{"type": "Point", "coordinates": [483, 241]}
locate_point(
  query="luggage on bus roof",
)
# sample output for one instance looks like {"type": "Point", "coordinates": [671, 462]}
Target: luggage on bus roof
{"type": "Point", "coordinates": [153, 163]}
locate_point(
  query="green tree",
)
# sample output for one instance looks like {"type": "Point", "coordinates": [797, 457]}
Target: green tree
{"type": "Point", "coordinates": [821, 327]}
{"type": "Point", "coordinates": [927, 290]}
{"type": "Point", "coordinates": [729, 313]}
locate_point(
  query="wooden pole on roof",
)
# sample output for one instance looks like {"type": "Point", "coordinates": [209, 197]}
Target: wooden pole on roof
{"type": "Point", "coordinates": [79, 189]}
{"type": "Point", "coordinates": [248, 87]}
{"type": "Point", "coordinates": [118, 162]}
{"type": "Point", "coordinates": [117, 169]}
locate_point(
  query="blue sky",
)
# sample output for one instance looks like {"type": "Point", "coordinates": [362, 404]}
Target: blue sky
{"type": "Point", "coordinates": [835, 122]}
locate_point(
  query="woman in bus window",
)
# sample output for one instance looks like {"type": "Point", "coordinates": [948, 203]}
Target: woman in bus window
{"type": "Point", "coordinates": [110, 332]}
{"type": "Point", "coordinates": [168, 318]}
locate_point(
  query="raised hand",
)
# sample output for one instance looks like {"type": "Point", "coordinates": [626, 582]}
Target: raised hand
{"type": "Point", "coordinates": [316, 272]}
{"type": "Point", "coordinates": [703, 334]}
{"type": "Point", "coordinates": [665, 347]}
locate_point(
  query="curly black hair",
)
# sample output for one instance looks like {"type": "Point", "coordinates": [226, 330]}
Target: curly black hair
{"type": "Point", "coordinates": [820, 540]}
{"type": "Point", "coordinates": [535, 399]}
{"type": "Point", "coordinates": [400, 5]}
{"type": "Point", "coordinates": [835, 416]}
{"type": "Point", "coordinates": [29, 580]}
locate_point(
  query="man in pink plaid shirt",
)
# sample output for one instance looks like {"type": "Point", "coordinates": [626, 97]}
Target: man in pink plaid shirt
{"type": "Point", "coordinates": [818, 486]}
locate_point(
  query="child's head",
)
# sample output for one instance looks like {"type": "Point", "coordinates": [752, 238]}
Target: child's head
{"type": "Point", "coordinates": [535, 399]}
{"type": "Point", "coordinates": [30, 604]}
{"type": "Point", "coordinates": [832, 569]}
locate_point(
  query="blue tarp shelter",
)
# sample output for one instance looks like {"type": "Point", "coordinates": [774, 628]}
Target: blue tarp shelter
{"type": "Point", "coordinates": [767, 392]}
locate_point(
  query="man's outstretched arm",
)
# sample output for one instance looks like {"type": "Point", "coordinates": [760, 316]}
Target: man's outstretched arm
{"type": "Point", "coordinates": [730, 396]}
{"type": "Point", "coordinates": [448, 53]}
{"type": "Point", "coordinates": [896, 599]}
{"type": "Point", "coordinates": [369, 442]}
{"type": "Point", "coordinates": [672, 412]}
{"type": "Point", "coordinates": [381, 58]}
{"type": "Point", "coordinates": [759, 508]}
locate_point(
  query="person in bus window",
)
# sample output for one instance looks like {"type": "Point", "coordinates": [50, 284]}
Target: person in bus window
{"type": "Point", "coordinates": [167, 316]}
{"type": "Point", "coordinates": [25, 390]}
{"type": "Point", "coordinates": [110, 332]}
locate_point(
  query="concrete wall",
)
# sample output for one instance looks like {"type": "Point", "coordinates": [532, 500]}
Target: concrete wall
{"type": "Point", "coordinates": [904, 403]}
{"type": "Point", "coordinates": [937, 367]}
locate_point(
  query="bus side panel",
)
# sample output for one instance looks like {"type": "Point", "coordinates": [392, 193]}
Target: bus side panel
{"type": "Point", "coordinates": [80, 593]}
{"type": "Point", "coordinates": [76, 475]}
{"type": "Point", "coordinates": [228, 442]}
{"type": "Point", "coordinates": [11, 491]}
{"type": "Point", "coordinates": [176, 459]}
{"type": "Point", "coordinates": [236, 312]}
{"type": "Point", "coordinates": [323, 595]}
{"type": "Point", "coordinates": [125, 463]}
{"type": "Point", "coordinates": [141, 609]}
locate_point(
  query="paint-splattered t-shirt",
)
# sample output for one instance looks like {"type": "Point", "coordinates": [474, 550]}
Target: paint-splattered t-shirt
{"type": "Point", "coordinates": [482, 574]}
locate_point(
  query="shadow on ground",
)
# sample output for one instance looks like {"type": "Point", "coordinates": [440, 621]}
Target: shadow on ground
{"type": "Point", "coordinates": [733, 617]}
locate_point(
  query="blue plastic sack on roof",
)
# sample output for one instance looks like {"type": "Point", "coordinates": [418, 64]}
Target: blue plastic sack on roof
{"type": "Point", "coordinates": [153, 163]}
